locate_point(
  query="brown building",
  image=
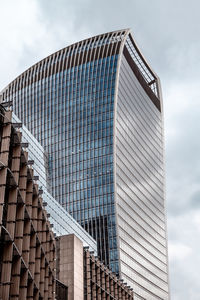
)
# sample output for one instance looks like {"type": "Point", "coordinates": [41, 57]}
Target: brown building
{"type": "Point", "coordinates": [101, 283]}
{"type": "Point", "coordinates": [27, 257]}
{"type": "Point", "coordinates": [86, 277]}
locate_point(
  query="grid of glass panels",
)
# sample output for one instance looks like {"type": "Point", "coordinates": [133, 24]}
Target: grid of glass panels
{"type": "Point", "coordinates": [65, 224]}
{"type": "Point", "coordinates": [71, 114]}
{"type": "Point", "coordinates": [140, 190]}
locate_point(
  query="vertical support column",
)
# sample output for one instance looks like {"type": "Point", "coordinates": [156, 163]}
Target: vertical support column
{"type": "Point", "coordinates": [39, 223]}
{"type": "Point", "coordinates": [36, 295]}
{"type": "Point", "coordinates": [46, 283]}
{"type": "Point", "coordinates": [20, 209]}
{"type": "Point", "coordinates": [29, 197]}
{"type": "Point", "coordinates": [93, 278]}
{"type": "Point", "coordinates": [16, 267]}
{"type": "Point", "coordinates": [107, 282]}
{"type": "Point", "coordinates": [112, 285]}
{"type": "Point", "coordinates": [12, 198]}
{"type": "Point", "coordinates": [19, 229]}
{"type": "Point", "coordinates": [8, 249]}
{"type": "Point", "coordinates": [44, 232]}
{"type": "Point", "coordinates": [119, 292]}
{"type": "Point", "coordinates": [30, 290]}
{"type": "Point", "coordinates": [3, 177]}
{"type": "Point", "coordinates": [32, 253]}
{"type": "Point", "coordinates": [103, 281]}
{"type": "Point", "coordinates": [16, 156]}
{"type": "Point", "coordinates": [115, 287]}
{"type": "Point", "coordinates": [127, 295]}
{"type": "Point", "coordinates": [123, 294]}
{"type": "Point", "coordinates": [23, 284]}
{"type": "Point", "coordinates": [42, 274]}
{"type": "Point", "coordinates": [98, 273]}
{"type": "Point", "coordinates": [26, 241]}
{"type": "Point", "coordinates": [24, 229]}
{"type": "Point", "coordinates": [11, 211]}
{"type": "Point", "coordinates": [6, 272]}
{"type": "Point", "coordinates": [4, 155]}
{"type": "Point", "coordinates": [51, 286]}
{"type": "Point", "coordinates": [35, 211]}
{"type": "Point", "coordinates": [23, 181]}
{"type": "Point", "coordinates": [37, 265]}
{"type": "Point", "coordinates": [5, 139]}
{"type": "Point", "coordinates": [47, 251]}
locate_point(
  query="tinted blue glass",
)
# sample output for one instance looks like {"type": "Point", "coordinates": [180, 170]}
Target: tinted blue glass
{"type": "Point", "coordinates": [71, 114]}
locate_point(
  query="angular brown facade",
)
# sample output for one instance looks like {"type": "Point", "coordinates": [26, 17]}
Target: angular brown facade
{"type": "Point", "coordinates": [27, 257]}
{"type": "Point", "coordinates": [84, 274]}
{"type": "Point", "coordinates": [100, 283]}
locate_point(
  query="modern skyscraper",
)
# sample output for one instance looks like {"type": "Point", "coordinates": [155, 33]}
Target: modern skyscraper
{"type": "Point", "coordinates": [96, 108]}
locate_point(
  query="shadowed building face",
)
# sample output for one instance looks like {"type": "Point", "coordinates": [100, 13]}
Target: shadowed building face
{"type": "Point", "coordinates": [96, 108]}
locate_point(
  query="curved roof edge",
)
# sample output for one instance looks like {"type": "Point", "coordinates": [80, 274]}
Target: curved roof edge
{"type": "Point", "coordinates": [123, 35]}
{"type": "Point", "coordinates": [62, 49]}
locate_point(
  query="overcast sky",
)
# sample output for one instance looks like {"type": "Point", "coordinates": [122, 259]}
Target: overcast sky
{"type": "Point", "coordinates": [168, 33]}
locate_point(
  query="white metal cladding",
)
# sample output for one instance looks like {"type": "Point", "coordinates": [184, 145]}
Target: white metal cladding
{"type": "Point", "coordinates": [64, 223]}
{"type": "Point", "coordinates": [36, 152]}
{"type": "Point", "coordinates": [140, 202]}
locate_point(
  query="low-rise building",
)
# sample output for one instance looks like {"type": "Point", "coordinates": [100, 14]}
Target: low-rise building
{"type": "Point", "coordinates": [27, 243]}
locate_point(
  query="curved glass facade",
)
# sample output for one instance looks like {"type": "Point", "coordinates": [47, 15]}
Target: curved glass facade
{"type": "Point", "coordinates": [95, 108]}
{"type": "Point", "coordinates": [140, 189]}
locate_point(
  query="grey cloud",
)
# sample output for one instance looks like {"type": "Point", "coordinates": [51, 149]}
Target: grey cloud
{"type": "Point", "coordinates": [172, 27]}
{"type": "Point", "coordinates": [195, 200]}
{"type": "Point", "coordinates": [183, 160]}
{"type": "Point", "coordinates": [184, 274]}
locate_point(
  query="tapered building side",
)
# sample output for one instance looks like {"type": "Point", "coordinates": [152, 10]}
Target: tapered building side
{"type": "Point", "coordinates": [96, 108]}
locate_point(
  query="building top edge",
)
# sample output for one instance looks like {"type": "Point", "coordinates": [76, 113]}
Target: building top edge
{"type": "Point", "coordinates": [63, 49]}
{"type": "Point", "coordinates": [119, 36]}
